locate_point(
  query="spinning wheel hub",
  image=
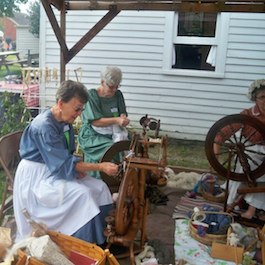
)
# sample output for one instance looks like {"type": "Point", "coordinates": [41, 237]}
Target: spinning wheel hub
{"type": "Point", "coordinates": [240, 146]}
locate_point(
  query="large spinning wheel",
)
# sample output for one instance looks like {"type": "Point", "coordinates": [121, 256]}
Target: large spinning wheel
{"type": "Point", "coordinates": [231, 148]}
{"type": "Point", "coordinates": [132, 157]}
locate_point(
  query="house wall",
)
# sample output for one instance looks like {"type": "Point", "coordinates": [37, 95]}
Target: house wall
{"type": "Point", "coordinates": [9, 28]}
{"type": "Point", "coordinates": [135, 41]}
{"type": "Point", "coordinates": [26, 41]}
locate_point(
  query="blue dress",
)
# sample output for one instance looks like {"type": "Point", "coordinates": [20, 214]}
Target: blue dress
{"type": "Point", "coordinates": [47, 187]}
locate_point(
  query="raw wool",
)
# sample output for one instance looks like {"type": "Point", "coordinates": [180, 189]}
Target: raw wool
{"type": "Point", "coordinates": [182, 180]}
{"type": "Point", "coordinates": [146, 257]}
{"type": "Point", "coordinates": [233, 240]}
{"type": "Point", "coordinates": [13, 250]}
{"type": "Point", "coordinates": [44, 249]}
{"type": "Point", "coordinates": [248, 236]}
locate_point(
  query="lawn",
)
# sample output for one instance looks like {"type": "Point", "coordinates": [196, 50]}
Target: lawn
{"type": "Point", "coordinates": [14, 69]}
{"type": "Point", "coordinates": [183, 153]}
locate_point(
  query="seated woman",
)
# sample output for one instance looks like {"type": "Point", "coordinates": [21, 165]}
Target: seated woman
{"type": "Point", "coordinates": [104, 118]}
{"type": "Point", "coordinates": [51, 183]}
{"type": "Point", "coordinates": [254, 200]}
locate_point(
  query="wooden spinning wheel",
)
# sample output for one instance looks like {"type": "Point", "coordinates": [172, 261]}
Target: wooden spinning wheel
{"type": "Point", "coordinates": [127, 203]}
{"type": "Point", "coordinates": [130, 214]}
{"type": "Point", "coordinates": [236, 136]}
{"type": "Point", "coordinates": [235, 148]}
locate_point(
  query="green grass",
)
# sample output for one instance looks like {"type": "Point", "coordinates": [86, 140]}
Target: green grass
{"type": "Point", "coordinates": [14, 69]}
{"type": "Point", "coordinates": [183, 153]}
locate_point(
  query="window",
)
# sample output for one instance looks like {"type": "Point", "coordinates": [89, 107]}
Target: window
{"type": "Point", "coordinates": [198, 43]}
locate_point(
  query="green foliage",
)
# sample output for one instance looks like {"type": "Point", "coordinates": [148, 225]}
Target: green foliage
{"type": "Point", "coordinates": [14, 70]}
{"type": "Point", "coordinates": [34, 17]}
{"type": "Point", "coordinates": [8, 7]}
{"type": "Point", "coordinates": [14, 114]}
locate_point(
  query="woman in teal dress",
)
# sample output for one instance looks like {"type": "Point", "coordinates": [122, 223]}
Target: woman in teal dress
{"type": "Point", "coordinates": [104, 118]}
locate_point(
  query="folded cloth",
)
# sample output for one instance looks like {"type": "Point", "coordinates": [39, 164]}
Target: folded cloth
{"type": "Point", "coordinates": [44, 249]}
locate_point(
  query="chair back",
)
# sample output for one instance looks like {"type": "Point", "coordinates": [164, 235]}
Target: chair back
{"type": "Point", "coordinates": [9, 154]}
{"type": "Point", "coordinates": [9, 159]}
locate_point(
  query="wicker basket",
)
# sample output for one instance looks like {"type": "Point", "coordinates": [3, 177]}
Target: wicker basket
{"type": "Point", "coordinates": [208, 239]}
{"type": "Point", "coordinates": [68, 244]}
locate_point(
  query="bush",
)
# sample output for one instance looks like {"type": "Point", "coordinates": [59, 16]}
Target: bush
{"type": "Point", "coordinates": [14, 115]}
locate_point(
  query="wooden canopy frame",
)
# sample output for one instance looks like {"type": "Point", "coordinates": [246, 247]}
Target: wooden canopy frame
{"type": "Point", "coordinates": [114, 7]}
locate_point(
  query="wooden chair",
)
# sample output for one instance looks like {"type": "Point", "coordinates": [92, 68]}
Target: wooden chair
{"type": "Point", "coordinates": [9, 159]}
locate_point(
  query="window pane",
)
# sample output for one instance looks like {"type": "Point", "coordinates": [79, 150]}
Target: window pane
{"type": "Point", "coordinates": [192, 57]}
{"type": "Point", "coordinates": [196, 24]}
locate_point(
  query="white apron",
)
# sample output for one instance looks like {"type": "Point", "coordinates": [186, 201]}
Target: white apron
{"type": "Point", "coordinates": [254, 199]}
{"type": "Point", "coordinates": [61, 205]}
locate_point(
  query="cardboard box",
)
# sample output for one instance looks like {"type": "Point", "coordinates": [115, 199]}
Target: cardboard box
{"type": "Point", "coordinates": [226, 252]}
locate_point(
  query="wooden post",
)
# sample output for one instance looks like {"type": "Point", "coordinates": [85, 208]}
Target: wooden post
{"type": "Point", "coordinates": [63, 28]}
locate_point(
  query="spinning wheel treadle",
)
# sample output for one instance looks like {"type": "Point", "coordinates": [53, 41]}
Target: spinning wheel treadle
{"type": "Point", "coordinates": [236, 147]}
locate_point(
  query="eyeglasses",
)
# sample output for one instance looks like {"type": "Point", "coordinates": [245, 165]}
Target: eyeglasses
{"type": "Point", "coordinates": [113, 87]}
{"type": "Point", "coordinates": [78, 109]}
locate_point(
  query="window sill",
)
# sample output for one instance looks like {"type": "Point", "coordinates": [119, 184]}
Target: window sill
{"type": "Point", "coordinates": [194, 73]}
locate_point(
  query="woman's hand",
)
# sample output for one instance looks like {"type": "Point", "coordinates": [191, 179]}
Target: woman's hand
{"type": "Point", "coordinates": [81, 175]}
{"type": "Point", "coordinates": [109, 168]}
{"type": "Point", "coordinates": [123, 120]}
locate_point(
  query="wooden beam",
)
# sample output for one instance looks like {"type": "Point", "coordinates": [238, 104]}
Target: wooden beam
{"type": "Point", "coordinates": [63, 53]}
{"type": "Point", "coordinates": [57, 30]}
{"type": "Point", "coordinates": [182, 6]}
{"type": "Point", "coordinates": [91, 34]}
{"type": "Point", "coordinates": [58, 4]}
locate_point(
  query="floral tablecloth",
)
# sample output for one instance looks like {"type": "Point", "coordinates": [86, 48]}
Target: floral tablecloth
{"type": "Point", "coordinates": [191, 250]}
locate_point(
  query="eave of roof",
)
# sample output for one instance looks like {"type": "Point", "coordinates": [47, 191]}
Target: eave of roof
{"type": "Point", "coordinates": [257, 6]}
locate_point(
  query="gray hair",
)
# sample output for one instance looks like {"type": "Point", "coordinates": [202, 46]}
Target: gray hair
{"type": "Point", "coordinates": [71, 89]}
{"type": "Point", "coordinates": [255, 87]}
{"type": "Point", "coordinates": [111, 75]}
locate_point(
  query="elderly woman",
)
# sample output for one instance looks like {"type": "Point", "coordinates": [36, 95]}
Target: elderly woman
{"type": "Point", "coordinates": [104, 118]}
{"type": "Point", "coordinates": [255, 200]}
{"type": "Point", "coordinates": [51, 183]}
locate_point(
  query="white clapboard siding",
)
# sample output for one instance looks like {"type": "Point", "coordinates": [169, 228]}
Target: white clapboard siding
{"type": "Point", "coordinates": [134, 41]}
{"type": "Point", "coordinates": [26, 41]}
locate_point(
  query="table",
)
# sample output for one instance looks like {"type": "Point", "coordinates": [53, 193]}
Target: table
{"type": "Point", "coordinates": [5, 62]}
{"type": "Point", "coordinates": [30, 93]}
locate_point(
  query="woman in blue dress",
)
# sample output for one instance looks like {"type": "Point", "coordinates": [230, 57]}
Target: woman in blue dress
{"type": "Point", "coordinates": [51, 183]}
{"type": "Point", "coordinates": [104, 119]}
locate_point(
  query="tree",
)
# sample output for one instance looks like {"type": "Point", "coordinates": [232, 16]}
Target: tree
{"type": "Point", "coordinates": [8, 7]}
{"type": "Point", "coordinates": [34, 17]}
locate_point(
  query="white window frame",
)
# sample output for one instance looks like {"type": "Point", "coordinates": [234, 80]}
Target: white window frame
{"type": "Point", "coordinates": [220, 41]}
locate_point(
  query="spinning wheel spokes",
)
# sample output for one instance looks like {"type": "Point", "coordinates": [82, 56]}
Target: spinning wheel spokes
{"type": "Point", "coordinates": [127, 203]}
{"type": "Point", "coordinates": [241, 144]}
